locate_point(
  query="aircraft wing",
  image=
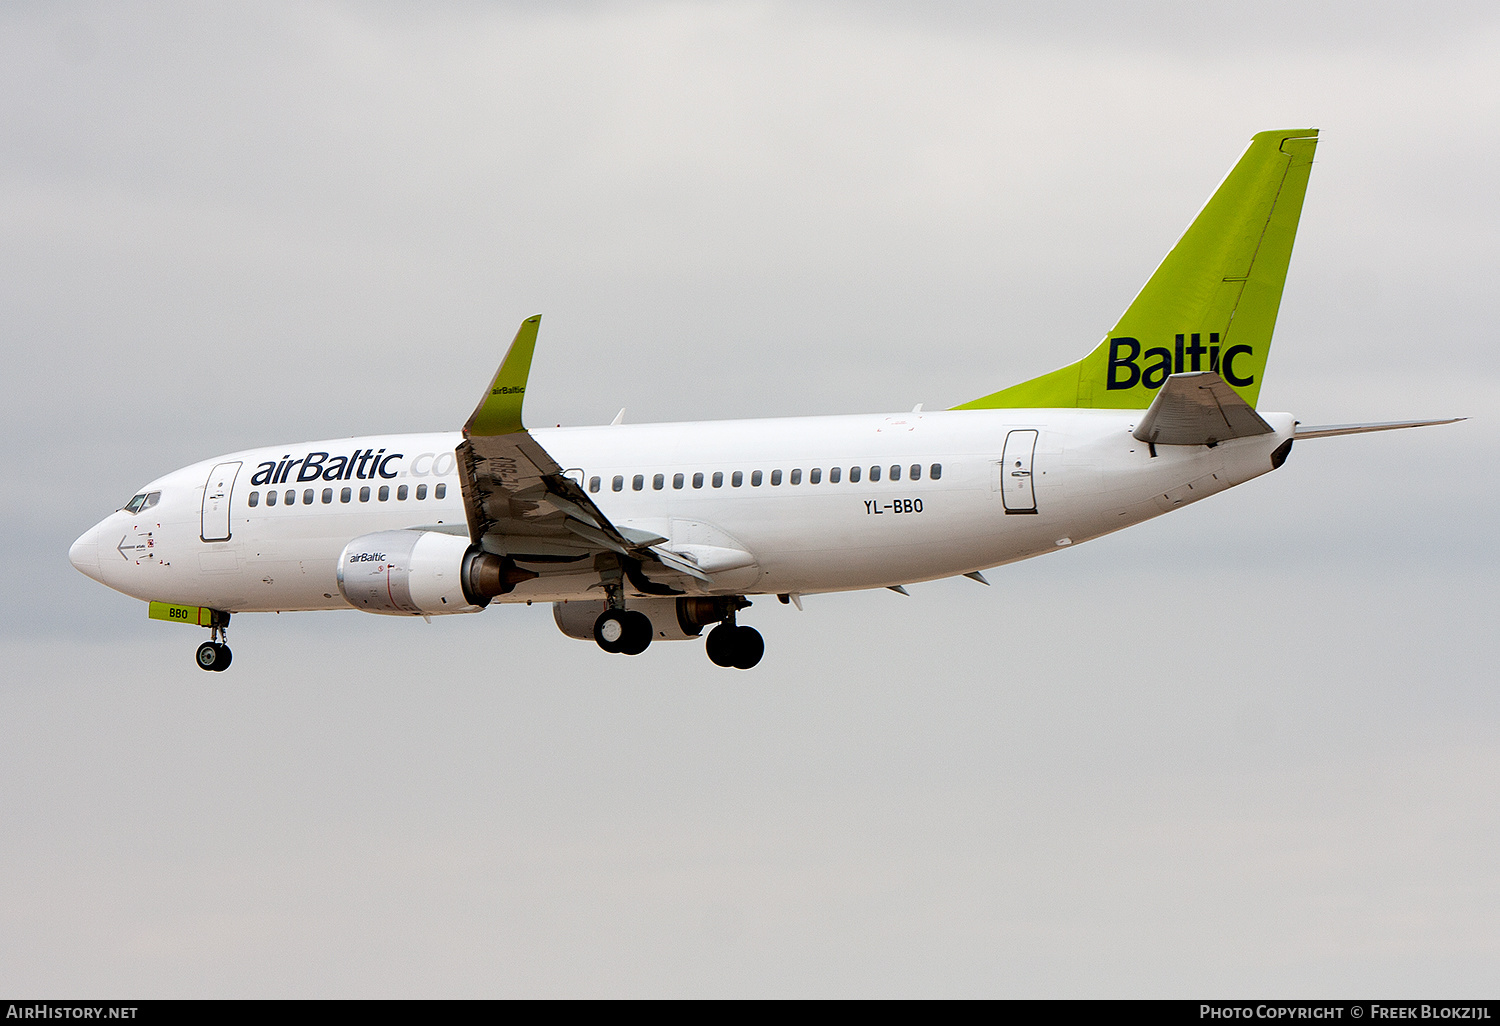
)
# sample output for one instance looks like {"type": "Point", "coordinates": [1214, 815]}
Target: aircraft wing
{"type": "Point", "coordinates": [1198, 408]}
{"type": "Point", "coordinates": [521, 504]}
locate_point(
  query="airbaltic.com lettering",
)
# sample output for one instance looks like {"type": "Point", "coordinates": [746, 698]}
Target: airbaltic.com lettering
{"type": "Point", "coordinates": [363, 465]}
{"type": "Point", "coordinates": [1160, 362]}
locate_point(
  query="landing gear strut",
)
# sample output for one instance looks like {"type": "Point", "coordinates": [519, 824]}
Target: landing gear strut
{"type": "Point", "coordinates": [214, 654]}
{"type": "Point", "coordinates": [619, 629]}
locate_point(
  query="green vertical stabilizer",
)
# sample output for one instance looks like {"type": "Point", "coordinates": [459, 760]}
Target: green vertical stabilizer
{"type": "Point", "coordinates": [1212, 303]}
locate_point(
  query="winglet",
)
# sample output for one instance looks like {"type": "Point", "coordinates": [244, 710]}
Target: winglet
{"type": "Point", "coordinates": [499, 412]}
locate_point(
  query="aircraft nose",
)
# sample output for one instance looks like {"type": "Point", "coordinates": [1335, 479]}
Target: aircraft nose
{"type": "Point", "coordinates": [85, 553]}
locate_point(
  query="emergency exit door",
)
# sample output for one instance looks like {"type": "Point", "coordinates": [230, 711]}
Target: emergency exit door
{"type": "Point", "coordinates": [1016, 487]}
{"type": "Point", "coordinates": [216, 494]}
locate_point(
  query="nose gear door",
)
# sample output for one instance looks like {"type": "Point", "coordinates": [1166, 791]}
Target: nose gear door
{"type": "Point", "coordinates": [216, 494]}
{"type": "Point", "coordinates": [1015, 472]}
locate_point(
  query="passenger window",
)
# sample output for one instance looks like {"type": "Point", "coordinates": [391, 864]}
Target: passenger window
{"type": "Point", "coordinates": [835, 474]}
{"type": "Point", "coordinates": [738, 478]}
{"type": "Point", "coordinates": [307, 497]}
{"type": "Point", "coordinates": [776, 477]}
{"type": "Point", "coordinates": [364, 494]}
{"type": "Point", "coordinates": [638, 482]}
{"type": "Point", "coordinates": [896, 472]}
{"type": "Point", "coordinates": [797, 476]}
{"type": "Point", "coordinates": [270, 498]}
{"type": "Point", "coordinates": [697, 480]}
{"type": "Point", "coordinates": [874, 474]}
{"type": "Point", "coordinates": [152, 498]}
{"type": "Point", "coordinates": [327, 496]}
{"type": "Point", "coordinates": [254, 499]}
{"type": "Point", "coordinates": [344, 496]}
{"type": "Point", "coordinates": [935, 471]}
{"type": "Point", "coordinates": [916, 472]}
{"type": "Point", "coordinates": [618, 484]}
{"type": "Point", "coordinates": [718, 479]}
{"type": "Point", "coordinates": [593, 484]}
{"type": "Point", "coordinates": [384, 495]}
{"type": "Point", "coordinates": [677, 480]}
{"type": "Point", "coordinates": [421, 492]}
{"type": "Point", "coordinates": [658, 482]}
{"type": "Point", "coordinates": [854, 473]}
{"type": "Point", "coordinates": [401, 493]}
{"type": "Point", "coordinates": [291, 497]}
{"type": "Point", "coordinates": [134, 505]}
{"type": "Point", "coordinates": [440, 491]}
{"type": "Point", "coordinates": [815, 475]}
{"type": "Point", "coordinates": [755, 479]}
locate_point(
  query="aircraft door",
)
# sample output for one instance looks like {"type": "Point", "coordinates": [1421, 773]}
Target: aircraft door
{"type": "Point", "coordinates": [216, 495]}
{"type": "Point", "coordinates": [1016, 487]}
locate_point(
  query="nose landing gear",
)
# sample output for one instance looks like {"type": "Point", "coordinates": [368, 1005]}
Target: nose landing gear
{"type": "Point", "coordinates": [214, 654]}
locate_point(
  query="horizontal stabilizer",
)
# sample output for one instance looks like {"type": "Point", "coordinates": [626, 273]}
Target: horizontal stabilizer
{"type": "Point", "coordinates": [1329, 430]}
{"type": "Point", "coordinates": [1198, 408]}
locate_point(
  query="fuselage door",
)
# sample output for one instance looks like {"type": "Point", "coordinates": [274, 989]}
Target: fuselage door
{"type": "Point", "coordinates": [216, 495]}
{"type": "Point", "coordinates": [1015, 472]}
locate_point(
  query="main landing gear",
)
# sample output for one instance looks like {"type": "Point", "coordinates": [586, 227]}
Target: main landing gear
{"type": "Point", "coordinates": [630, 631]}
{"type": "Point", "coordinates": [214, 654]}
{"type": "Point", "coordinates": [623, 630]}
{"type": "Point", "coordinates": [731, 645]}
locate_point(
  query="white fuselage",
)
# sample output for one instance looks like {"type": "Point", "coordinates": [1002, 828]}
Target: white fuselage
{"type": "Point", "coordinates": [1082, 472]}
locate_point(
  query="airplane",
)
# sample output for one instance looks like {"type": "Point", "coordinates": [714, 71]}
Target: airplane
{"type": "Point", "coordinates": [655, 532]}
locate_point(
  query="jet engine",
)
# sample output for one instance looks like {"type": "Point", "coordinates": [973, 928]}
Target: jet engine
{"type": "Point", "coordinates": [423, 573]}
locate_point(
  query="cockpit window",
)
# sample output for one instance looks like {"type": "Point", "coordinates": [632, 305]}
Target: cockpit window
{"type": "Point", "coordinates": [135, 504]}
{"type": "Point", "coordinates": [152, 498]}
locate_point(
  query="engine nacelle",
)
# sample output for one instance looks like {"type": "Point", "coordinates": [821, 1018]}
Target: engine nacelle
{"type": "Point", "coordinates": [671, 619]}
{"type": "Point", "coordinates": [422, 573]}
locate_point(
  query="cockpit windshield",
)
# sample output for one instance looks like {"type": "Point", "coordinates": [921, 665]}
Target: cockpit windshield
{"type": "Point", "coordinates": [143, 501]}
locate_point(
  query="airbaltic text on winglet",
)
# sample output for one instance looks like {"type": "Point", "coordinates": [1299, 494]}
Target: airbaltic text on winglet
{"type": "Point", "coordinates": [508, 390]}
{"type": "Point", "coordinates": [1160, 362]}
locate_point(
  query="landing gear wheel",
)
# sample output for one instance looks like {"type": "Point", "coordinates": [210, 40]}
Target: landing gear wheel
{"type": "Point", "coordinates": [611, 630]}
{"type": "Point", "coordinates": [749, 646]}
{"type": "Point", "coordinates": [720, 645]}
{"type": "Point", "coordinates": [739, 647]}
{"type": "Point", "coordinates": [214, 656]}
{"type": "Point", "coordinates": [637, 633]}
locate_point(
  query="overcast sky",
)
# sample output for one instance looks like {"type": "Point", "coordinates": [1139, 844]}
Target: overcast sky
{"type": "Point", "coordinates": [1249, 748]}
